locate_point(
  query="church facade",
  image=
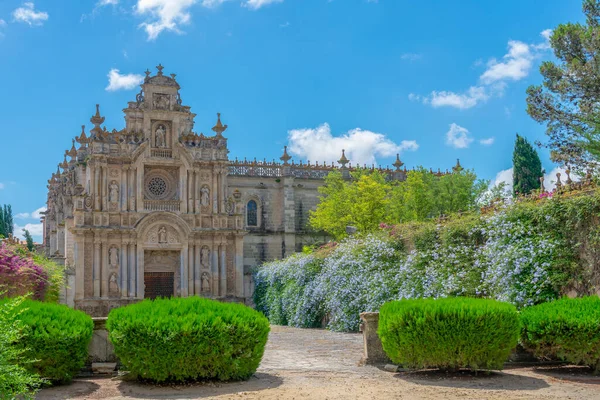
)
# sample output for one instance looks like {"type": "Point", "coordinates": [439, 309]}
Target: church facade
{"type": "Point", "coordinates": [158, 210]}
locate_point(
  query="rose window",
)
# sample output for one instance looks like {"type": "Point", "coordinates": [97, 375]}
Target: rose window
{"type": "Point", "coordinates": [157, 187]}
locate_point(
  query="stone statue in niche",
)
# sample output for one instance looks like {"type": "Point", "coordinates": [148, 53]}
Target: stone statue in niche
{"type": "Point", "coordinates": [205, 257]}
{"type": "Point", "coordinates": [113, 196]}
{"type": "Point", "coordinates": [205, 282]}
{"type": "Point", "coordinates": [205, 196]}
{"type": "Point", "coordinates": [113, 284]}
{"type": "Point", "coordinates": [160, 136]}
{"type": "Point", "coordinates": [113, 256]}
{"type": "Point", "coordinates": [162, 235]}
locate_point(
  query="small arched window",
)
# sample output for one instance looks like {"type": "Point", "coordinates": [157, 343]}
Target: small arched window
{"type": "Point", "coordinates": [252, 213]}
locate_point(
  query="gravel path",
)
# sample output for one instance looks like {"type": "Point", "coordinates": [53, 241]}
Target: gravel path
{"type": "Point", "coordinates": [318, 364]}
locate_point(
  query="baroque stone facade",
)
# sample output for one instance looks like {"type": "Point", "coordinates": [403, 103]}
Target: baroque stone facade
{"type": "Point", "coordinates": [158, 210]}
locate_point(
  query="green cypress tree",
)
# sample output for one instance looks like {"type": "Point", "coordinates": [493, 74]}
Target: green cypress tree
{"type": "Point", "coordinates": [29, 239]}
{"type": "Point", "coordinates": [527, 167]}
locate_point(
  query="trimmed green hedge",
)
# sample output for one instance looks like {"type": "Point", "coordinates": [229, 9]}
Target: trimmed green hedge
{"type": "Point", "coordinates": [187, 339]}
{"type": "Point", "coordinates": [568, 329]}
{"type": "Point", "coordinates": [57, 337]}
{"type": "Point", "coordinates": [449, 333]}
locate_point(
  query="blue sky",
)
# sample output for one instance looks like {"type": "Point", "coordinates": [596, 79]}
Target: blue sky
{"type": "Point", "coordinates": [433, 80]}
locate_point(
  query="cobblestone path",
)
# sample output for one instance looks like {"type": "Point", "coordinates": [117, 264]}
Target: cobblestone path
{"type": "Point", "coordinates": [295, 349]}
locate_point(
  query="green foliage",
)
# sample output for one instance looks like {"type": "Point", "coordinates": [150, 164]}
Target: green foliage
{"type": "Point", "coordinates": [567, 101]}
{"type": "Point", "coordinates": [567, 328]}
{"type": "Point", "coordinates": [187, 339]}
{"type": "Point", "coordinates": [449, 333]}
{"type": "Point", "coordinates": [29, 239]}
{"type": "Point", "coordinates": [527, 167]}
{"type": "Point", "coordinates": [6, 221]}
{"type": "Point", "coordinates": [56, 336]}
{"type": "Point", "coordinates": [368, 199]}
{"type": "Point", "coordinates": [15, 380]}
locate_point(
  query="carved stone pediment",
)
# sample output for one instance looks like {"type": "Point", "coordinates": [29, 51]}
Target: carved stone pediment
{"type": "Point", "coordinates": [163, 235]}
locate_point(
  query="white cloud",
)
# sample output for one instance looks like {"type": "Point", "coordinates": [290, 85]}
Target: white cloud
{"type": "Point", "coordinates": [29, 15]}
{"type": "Point", "coordinates": [487, 142]}
{"type": "Point", "coordinates": [505, 176]}
{"type": "Point", "coordinates": [458, 137]}
{"type": "Point", "coordinates": [411, 56]}
{"type": "Point", "coordinates": [515, 65]}
{"type": "Point", "coordinates": [256, 4]}
{"type": "Point", "coordinates": [550, 178]}
{"type": "Point", "coordinates": [36, 230]}
{"type": "Point", "coordinates": [117, 81]}
{"type": "Point", "coordinates": [469, 99]}
{"type": "Point", "coordinates": [2, 186]}
{"type": "Point", "coordinates": [212, 3]}
{"type": "Point", "coordinates": [2, 22]}
{"type": "Point", "coordinates": [37, 214]}
{"type": "Point", "coordinates": [165, 15]}
{"type": "Point", "coordinates": [107, 3]}
{"type": "Point", "coordinates": [362, 146]}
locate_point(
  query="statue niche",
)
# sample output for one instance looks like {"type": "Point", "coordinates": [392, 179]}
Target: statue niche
{"type": "Point", "coordinates": [205, 287]}
{"type": "Point", "coordinates": [113, 194]}
{"type": "Point", "coordinates": [113, 256]}
{"type": "Point", "coordinates": [161, 136]}
{"type": "Point", "coordinates": [163, 235]}
{"type": "Point", "coordinates": [205, 257]}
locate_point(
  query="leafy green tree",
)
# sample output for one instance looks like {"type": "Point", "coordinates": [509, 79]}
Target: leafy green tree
{"type": "Point", "coordinates": [28, 239]}
{"type": "Point", "coordinates": [6, 220]}
{"type": "Point", "coordinates": [419, 196]}
{"type": "Point", "coordinates": [331, 214]}
{"type": "Point", "coordinates": [368, 201]}
{"type": "Point", "coordinates": [567, 101]}
{"type": "Point", "coordinates": [527, 167]}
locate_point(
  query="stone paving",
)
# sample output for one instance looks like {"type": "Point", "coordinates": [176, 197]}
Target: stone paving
{"type": "Point", "coordinates": [295, 349]}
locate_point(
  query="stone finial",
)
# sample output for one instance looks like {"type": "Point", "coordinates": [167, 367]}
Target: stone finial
{"type": "Point", "coordinates": [542, 188]}
{"type": "Point", "coordinates": [343, 161]}
{"type": "Point", "coordinates": [64, 165]}
{"type": "Point", "coordinates": [568, 172]}
{"type": "Point", "coordinates": [558, 182]}
{"type": "Point", "coordinates": [285, 157]}
{"type": "Point", "coordinates": [457, 167]}
{"type": "Point", "coordinates": [219, 128]}
{"type": "Point", "coordinates": [160, 68]}
{"type": "Point", "coordinates": [173, 76]}
{"type": "Point", "coordinates": [97, 119]}
{"type": "Point", "coordinates": [588, 176]}
{"type": "Point", "coordinates": [398, 164]}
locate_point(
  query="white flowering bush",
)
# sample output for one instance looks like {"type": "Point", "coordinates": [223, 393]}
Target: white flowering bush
{"type": "Point", "coordinates": [524, 255]}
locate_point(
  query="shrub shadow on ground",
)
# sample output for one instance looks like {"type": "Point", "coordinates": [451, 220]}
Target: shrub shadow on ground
{"type": "Point", "coordinates": [138, 390]}
{"type": "Point", "coordinates": [74, 389]}
{"type": "Point", "coordinates": [570, 373]}
{"type": "Point", "coordinates": [466, 379]}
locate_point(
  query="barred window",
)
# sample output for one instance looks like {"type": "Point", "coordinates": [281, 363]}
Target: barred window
{"type": "Point", "coordinates": [252, 213]}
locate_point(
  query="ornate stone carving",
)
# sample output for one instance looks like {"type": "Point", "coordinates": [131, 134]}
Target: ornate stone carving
{"type": "Point", "coordinates": [205, 257]}
{"type": "Point", "coordinates": [114, 192]}
{"type": "Point", "coordinates": [161, 140]}
{"type": "Point", "coordinates": [205, 282]}
{"type": "Point", "coordinates": [230, 206]}
{"type": "Point", "coordinates": [162, 235]}
{"type": "Point", "coordinates": [113, 284]}
{"type": "Point", "coordinates": [161, 101]}
{"type": "Point", "coordinates": [113, 256]}
{"type": "Point", "coordinates": [205, 196]}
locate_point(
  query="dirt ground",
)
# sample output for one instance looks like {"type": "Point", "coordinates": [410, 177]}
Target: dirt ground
{"type": "Point", "coordinates": [317, 364]}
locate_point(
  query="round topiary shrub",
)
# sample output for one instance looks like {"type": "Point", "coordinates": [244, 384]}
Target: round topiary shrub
{"type": "Point", "coordinates": [568, 329]}
{"type": "Point", "coordinates": [56, 336]}
{"type": "Point", "coordinates": [188, 339]}
{"type": "Point", "coordinates": [449, 333]}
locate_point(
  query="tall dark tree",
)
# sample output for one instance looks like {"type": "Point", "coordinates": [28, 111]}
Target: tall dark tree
{"type": "Point", "coordinates": [28, 239]}
{"type": "Point", "coordinates": [6, 220]}
{"type": "Point", "coordinates": [527, 167]}
{"type": "Point", "coordinates": [567, 101]}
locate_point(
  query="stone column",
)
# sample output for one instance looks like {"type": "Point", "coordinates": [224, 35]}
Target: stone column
{"type": "Point", "coordinates": [196, 192]}
{"type": "Point", "coordinates": [183, 189]}
{"type": "Point", "coordinates": [139, 272]}
{"type": "Point", "coordinates": [79, 261]}
{"type": "Point", "coordinates": [138, 190]}
{"type": "Point", "coordinates": [60, 239]}
{"type": "Point", "coordinates": [214, 190]}
{"type": "Point", "coordinates": [96, 187]}
{"type": "Point", "coordinates": [132, 189]}
{"type": "Point", "coordinates": [104, 274]}
{"type": "Point", "coordinates": [190, 268]}
{"type": "Point", "coordinates": [214, 268]}
{"type": "Point", "coordinates": [189, 200]}
{"type": "Point", "coordinates": [239, 266]}
{"type": "Point", "coordinates": [374, 353]}
{"type": "Point", "coordinates": [223, 272]}
{"type": "Point", "coordinates": [124, 269]}
{"type": "Point", "coordinates": [96, 266]}
{"type": "Point", "coordinates": [197, 268]}
{"type": "Point", "coordinates": [104, 189]}
{"type": "Point", "coordinates": [132, 270]}
{"type": "Point", "coordinates": [289, 216]}
{"type": "Point", "coordinates": [183, 271]}
{"type": "Point", "coordinates": [124, 190]}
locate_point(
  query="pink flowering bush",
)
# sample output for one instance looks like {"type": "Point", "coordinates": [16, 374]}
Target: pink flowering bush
{"type": "Point", "coordinates": [20, 275]}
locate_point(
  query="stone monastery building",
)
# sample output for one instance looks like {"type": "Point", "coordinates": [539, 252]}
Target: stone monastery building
{"type": "Point", "coordinates": [158, 210]}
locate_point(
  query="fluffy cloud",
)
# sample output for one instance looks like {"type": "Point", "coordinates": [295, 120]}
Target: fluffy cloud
{"type": "Point", "coordinates": [37, 214]}
{"type": "Point", "coordinates": [550, 178]}
{"type": "Point", "coordinates": [487, 142]}
{"type": "Point", "coordinates": [108, 3]}
{"type": "Point", "coordinates": [458, 137]}
{"type": "Point", "coordinates": [256, 4]}
{"type": "Point", "coordinates": [117, 81]}
{"type": "Point", "coordinates": [164, 15]}
{"type": "Point", "coordinates": [411, 56]}
{"type": "Point", "coordinates": [36, 230]}
{"type": "Point", "coordinates": [362, 146]}
{"type": "Point", "coordinates": [29, 15]}
{"type": "Point", "coordinates": [514, 66]}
